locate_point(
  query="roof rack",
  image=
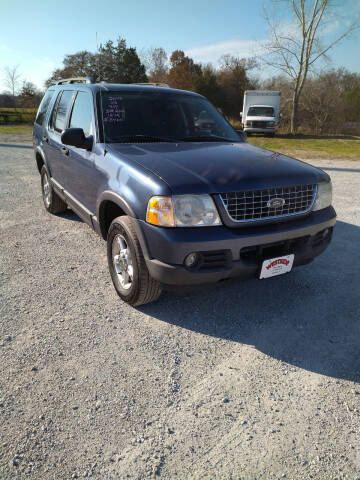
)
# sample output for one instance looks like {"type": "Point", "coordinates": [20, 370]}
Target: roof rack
{"type": "Point", "coordinates": [65, 81]}
{"type": "Point", "coordinates": [153, 84]}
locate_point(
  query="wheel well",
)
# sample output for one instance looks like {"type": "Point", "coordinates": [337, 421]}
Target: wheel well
{"type": "Point", "coordinates": [107, 212]}
{"type": "Point", "coordinates": [39, 161]}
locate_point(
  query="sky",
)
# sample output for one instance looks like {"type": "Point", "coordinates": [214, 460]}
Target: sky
{"type": "Point", "coordinates": [36, 35]}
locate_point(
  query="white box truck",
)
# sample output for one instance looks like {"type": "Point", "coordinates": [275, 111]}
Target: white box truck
{"type": "Point", "coordinates": [260, 111]}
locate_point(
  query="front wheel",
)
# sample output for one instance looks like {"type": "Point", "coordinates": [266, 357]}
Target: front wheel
{"type": "Point", "coordinates": [127, 266]}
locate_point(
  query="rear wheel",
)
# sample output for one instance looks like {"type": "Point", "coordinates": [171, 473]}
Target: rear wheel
{"type": "Point", "coordinates": [52, 201]}
{"type": "Point", "coordinates": [127, 266]}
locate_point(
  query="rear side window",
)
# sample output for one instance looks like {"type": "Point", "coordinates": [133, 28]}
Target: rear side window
{"type": "Point", "coordinates": [40, 117]}
{"type": "Point", "coordinates": [81, 116]}
{"type": "Point", "coordinates": [59, 115]}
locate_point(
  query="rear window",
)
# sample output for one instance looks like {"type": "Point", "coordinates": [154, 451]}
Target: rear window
{"type": "Point", "coordinates": [44, 105]}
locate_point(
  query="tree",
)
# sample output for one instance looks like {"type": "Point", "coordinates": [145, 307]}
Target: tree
{"type": "Point", "coordinates": [350, 86]}
{"type": "Point", "coordinates": [206, 84]}
{"type": "Point", "coordinates": [30, 95]}
{"type": "Point", "coordinates": [183, 72]}
{"type": "Point", "coordinates": [233, 80]}
{"type": "Point", "coordinates": [79, 64]}
{"type": "Point", "coordinates": [114, 63]}
{"type": "Point", "coordinates": [133, 69]}
{"type": "Point", "coordinates": [322, 99]}
{"type": "Point", "coordinates": [7, 100]}
{"type": "Point", "coordinates": [351, 104]}
{"type": "Point", "coordinates": [119, 64]}
{"type": "Point", "coordinates": [281, 83]}
{"type": "Point", "coordinates": [156, 63]}
{"type": "Point", "coordinates": [295, 51]}
{"type": "Point", "coordinates": [329, 101]}
{"type": "Point", "coordinates": [12, 79]}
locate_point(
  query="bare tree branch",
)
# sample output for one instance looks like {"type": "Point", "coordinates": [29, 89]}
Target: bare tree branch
{"type": "Point", "coordinates": [295, 52]}
{"type": "Point", "coordinates": [12, 78]}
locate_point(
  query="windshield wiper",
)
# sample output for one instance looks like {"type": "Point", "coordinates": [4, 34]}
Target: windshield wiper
{"type": "Point", "coordinates": [206, 138]}
{"type": "Point", "coordinates": [142, 139]}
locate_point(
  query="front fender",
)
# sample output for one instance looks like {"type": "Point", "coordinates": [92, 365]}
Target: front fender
{"type": "Point", "coordinates": [40, 159]}
{"type": "Point", "coordinates": [109, 196]}
{"type": "Point", "coordinates": [115, 198]}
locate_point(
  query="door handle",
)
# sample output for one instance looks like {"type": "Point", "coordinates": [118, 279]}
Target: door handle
{"type": "Point", "coordinates": [45, 139]}
{"type": "Point", "coordinates": [65, 150]}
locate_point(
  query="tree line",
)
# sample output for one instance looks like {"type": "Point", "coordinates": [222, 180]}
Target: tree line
{"type": "Point", "coordinates": [323, 102]}
{"type": "Point", "coordinates": [330, 102]}
{"type": "Point", "coordinates": [114, 62]}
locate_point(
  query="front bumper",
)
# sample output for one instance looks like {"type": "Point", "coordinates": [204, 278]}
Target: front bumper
{"type": "Point", "coordinates": [259, 130]}
{"type": "Point", "coordinates": [240, 250]}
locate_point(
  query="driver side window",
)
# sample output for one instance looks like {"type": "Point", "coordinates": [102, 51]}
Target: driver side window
{"type": "Point", "coordinates": [81, 115]}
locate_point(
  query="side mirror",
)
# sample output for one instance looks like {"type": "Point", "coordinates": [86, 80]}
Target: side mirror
{"type": "Point", "coordinates": [76, 138]}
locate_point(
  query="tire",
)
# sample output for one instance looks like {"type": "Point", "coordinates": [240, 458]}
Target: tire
{"type": "Point", "coordinates": [127, 266]}
{"type": "Point", "coordinates": [52, 201]}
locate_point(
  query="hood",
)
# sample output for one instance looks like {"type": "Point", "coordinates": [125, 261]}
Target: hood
{"type": "Point", "coordinates": [218, 167]}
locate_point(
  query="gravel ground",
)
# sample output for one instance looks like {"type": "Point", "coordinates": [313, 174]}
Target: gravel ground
{"type": "Point", "coordinates": [15, 138]}
{"type": "Point", "coordinates": [254, 380]}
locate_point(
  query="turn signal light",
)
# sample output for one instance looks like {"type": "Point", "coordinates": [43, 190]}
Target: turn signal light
{"type": "Point", "coordinates": [160, 212]}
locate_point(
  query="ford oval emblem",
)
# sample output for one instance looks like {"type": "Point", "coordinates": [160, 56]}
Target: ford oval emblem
{"type": "Point", "coordinates": [275, 203]}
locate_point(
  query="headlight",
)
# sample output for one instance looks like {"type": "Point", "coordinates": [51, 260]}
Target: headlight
{"type": "Point", "coordinates": [323, 196]}
{"type": "Point", "coordinates": [182, 211]}
{"type": "Point", "coordinates": [195, 211]}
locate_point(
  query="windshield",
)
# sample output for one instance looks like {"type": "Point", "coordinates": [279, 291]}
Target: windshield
{"type": "Point", "coordinates": [260, 112]}
{"type": "Point", "coordinates": [162, 116]}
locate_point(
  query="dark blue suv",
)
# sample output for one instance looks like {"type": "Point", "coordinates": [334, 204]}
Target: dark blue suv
{"type": "Point", "coordinates": [178, 194]}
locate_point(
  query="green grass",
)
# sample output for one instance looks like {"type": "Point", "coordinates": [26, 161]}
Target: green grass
{"type": "Point", "coordinates": [312, 146]}
{"type": "Point", "coordinates": [17, 115]}
{"type": "Point", "coordinates": [20, 110]}
{"type": "Point", "coordinates": [301, 146]}
{"type": "Point", "coordinates": [13, 129]}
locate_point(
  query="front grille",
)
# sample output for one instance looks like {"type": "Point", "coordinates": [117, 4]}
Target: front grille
{"type": "Point", "coordinates": [249, 206]}
{"type": "Point", "coordinates": [259, 124]}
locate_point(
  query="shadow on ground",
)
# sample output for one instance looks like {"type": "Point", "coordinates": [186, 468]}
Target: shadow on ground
{"type": "Point", "coordinates": [308, 318]}
{"type": "Point", "coordinates": [14, 145]}
{"type": "Point", "coordinates": [70, 215]}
